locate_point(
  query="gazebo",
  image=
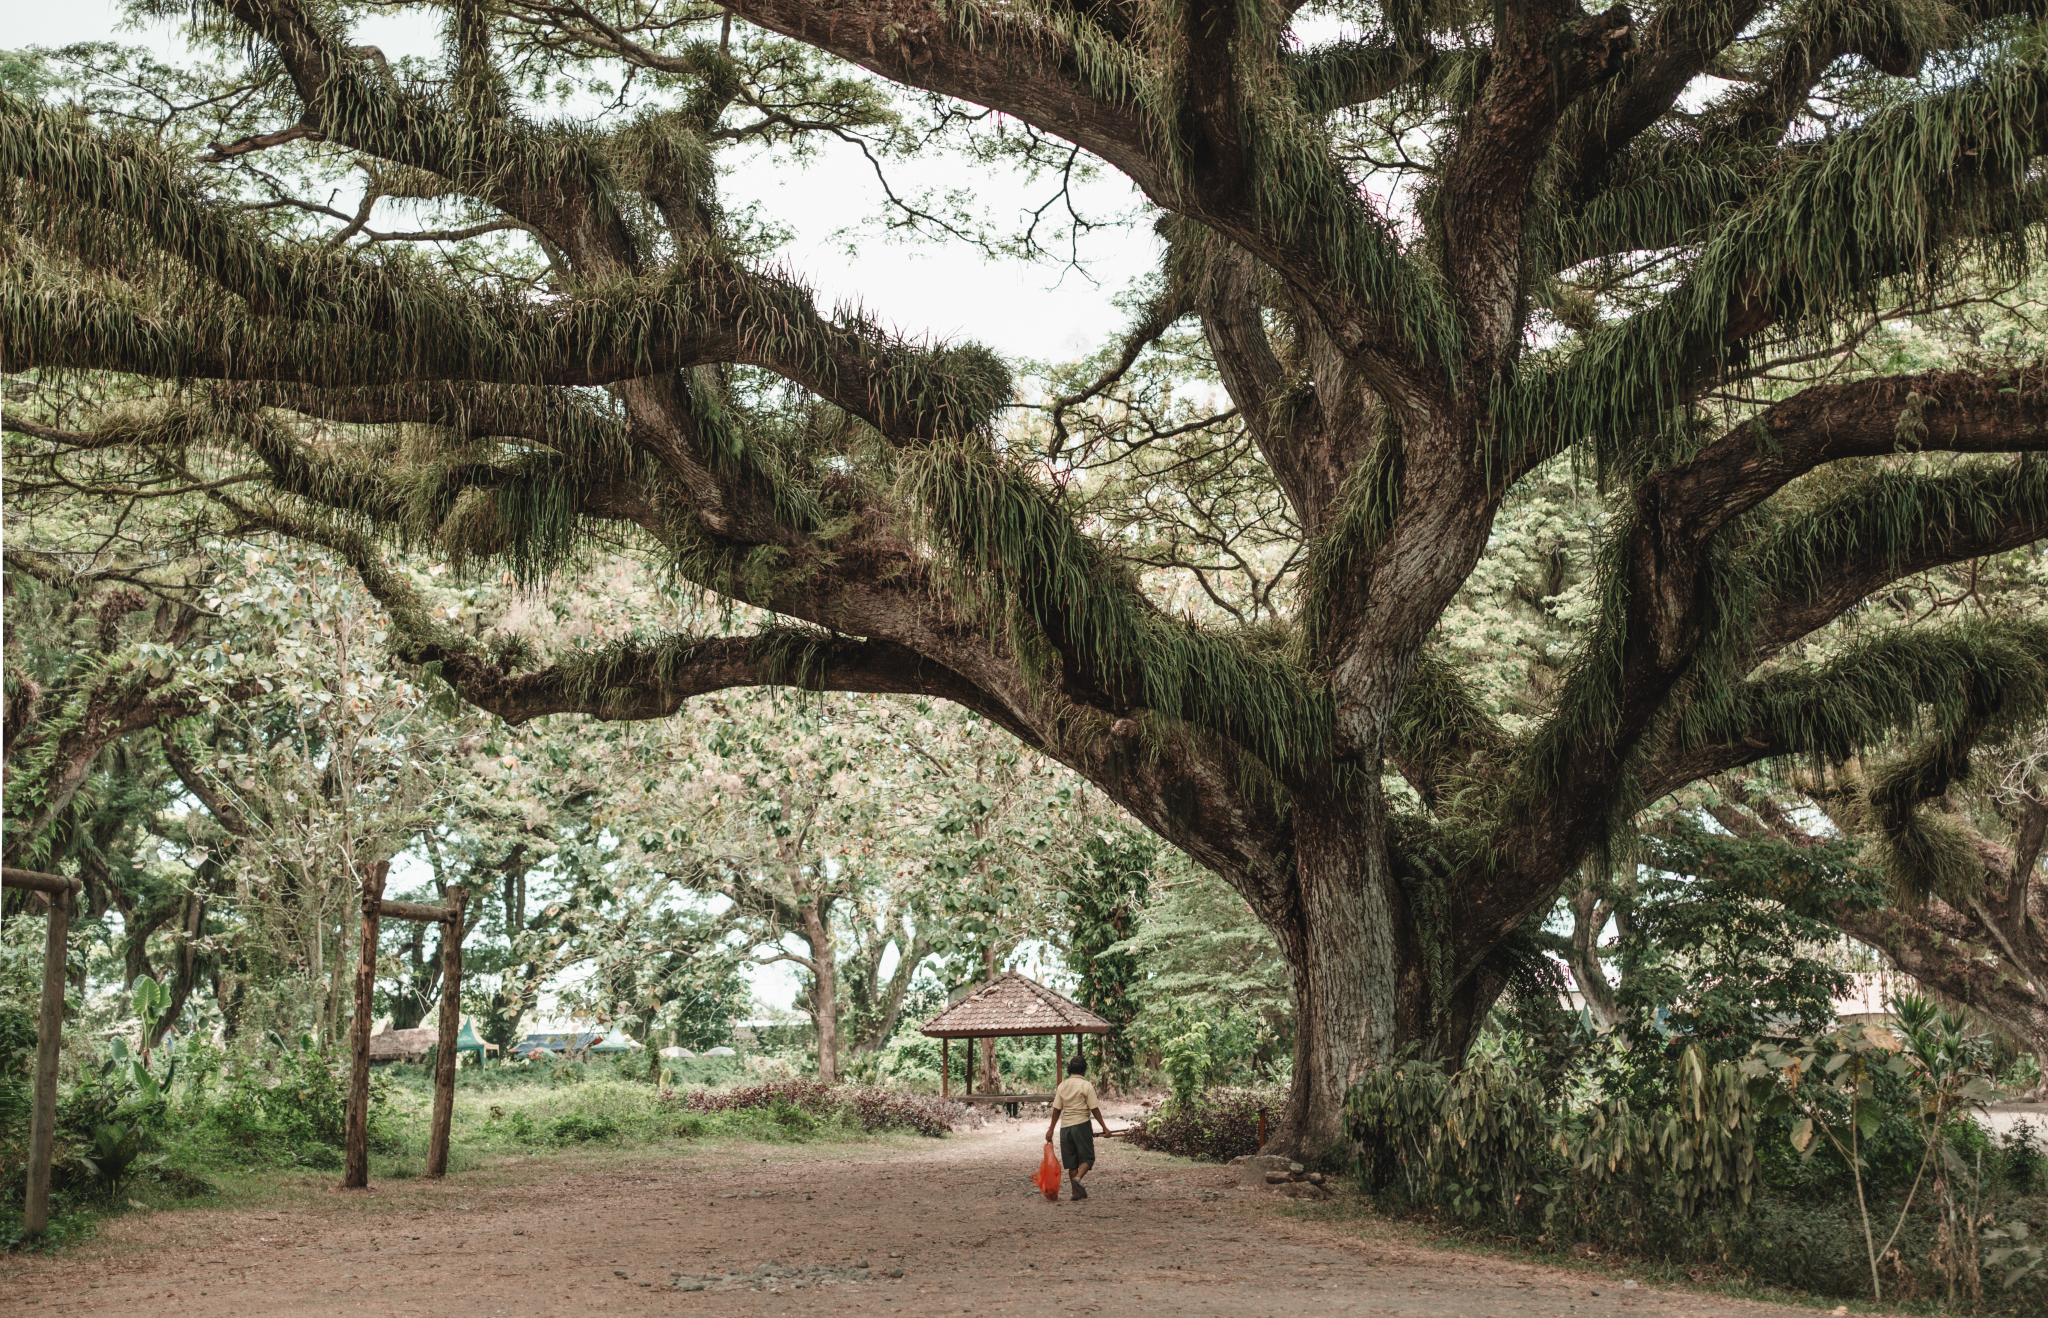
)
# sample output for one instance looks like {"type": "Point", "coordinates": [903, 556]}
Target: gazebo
{"type": "Point", "coordinates": [1009, 1006]}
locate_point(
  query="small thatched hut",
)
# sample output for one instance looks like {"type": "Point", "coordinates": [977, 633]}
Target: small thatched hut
{"type": "Point", "coordinates": [389, 1046]}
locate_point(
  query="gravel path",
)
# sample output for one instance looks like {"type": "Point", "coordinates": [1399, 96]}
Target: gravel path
{"type": "Point", "coordinates": [747, 1230]}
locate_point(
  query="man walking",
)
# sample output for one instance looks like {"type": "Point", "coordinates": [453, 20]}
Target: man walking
{"type": "Point", "coordinates": [1073, 1103]}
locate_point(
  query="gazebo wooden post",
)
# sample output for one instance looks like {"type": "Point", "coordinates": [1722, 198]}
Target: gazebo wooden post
{"type": "Point", "coordinates": [42, 1121]}
{"type": "Point", "coordinates": [355, 1169]}
{"type": "Point", "coordinates": [451, 1028]}
{"type": "Point", "coordinates": [945, 1068]}
{"type": "Point", "coordinates": [1059, 1059]}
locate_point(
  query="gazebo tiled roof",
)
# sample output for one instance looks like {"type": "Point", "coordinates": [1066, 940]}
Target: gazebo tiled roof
{"type": "Point", "coordinates": [1012, 1004]}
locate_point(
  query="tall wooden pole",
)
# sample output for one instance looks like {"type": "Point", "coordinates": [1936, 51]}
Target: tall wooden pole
{"type": "Point", "coordinates": [1059, 1060]}
{"type": "Point", "coordinates": [42, 1130]}
{"type": "Point", "coordinates": [355, 1170]}
{"type": "Point", "coordinates": [945, 1067]}
{"type": "Point", "coordinates": [451, 1028]}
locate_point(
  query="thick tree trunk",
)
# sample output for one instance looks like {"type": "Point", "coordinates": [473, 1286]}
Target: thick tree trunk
{"type": "Point", "coordinates": [1344, 949]}
{"type": "Point", "coordinates": [1371, 971]}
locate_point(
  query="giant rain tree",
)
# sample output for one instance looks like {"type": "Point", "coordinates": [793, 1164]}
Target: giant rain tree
{"type": "Point", "coordinates": [1431, 250]}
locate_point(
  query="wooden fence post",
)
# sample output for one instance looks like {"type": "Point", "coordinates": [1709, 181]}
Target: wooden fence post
{"type": "Point", "coordinates": [42, 1128]}
{"type": "Point", "coordinates": [355, 1173]}
{"type": "Point", "coordinates": [451, 1027]}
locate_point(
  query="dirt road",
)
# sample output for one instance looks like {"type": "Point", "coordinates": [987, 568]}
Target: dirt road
{"type": "Point", "coordinates": [747, 1230]}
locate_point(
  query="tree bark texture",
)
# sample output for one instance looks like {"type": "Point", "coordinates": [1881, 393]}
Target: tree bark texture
{"type": "Point", "coordinates": [1589, 920]}
{"type": "Point", "coordinates": [451, 1030]}
{"type": "Point", "coordinates": [824, 966]}
{"type": "Point", "coordinates": [355, 1161]}
{"type": "Point", "coordinates": [990, 1084]}
{"type": "Point", "coordinates": [1352, 1006]}
{"type": "Point", "coordinates": [1950, 952]}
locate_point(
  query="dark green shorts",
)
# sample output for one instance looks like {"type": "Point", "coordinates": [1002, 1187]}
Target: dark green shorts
{"type": "Point", "coordinates": [1077, 1146]}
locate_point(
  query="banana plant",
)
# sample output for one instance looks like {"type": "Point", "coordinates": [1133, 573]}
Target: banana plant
{"type": "Point", "coordinates": [117, 1150]}
{"type": "Point", "coordinates": [151, 1000]}
{"type": "Point", "coordinates": [120, 1060]}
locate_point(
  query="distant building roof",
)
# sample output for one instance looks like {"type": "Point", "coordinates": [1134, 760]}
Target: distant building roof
{"type": "Point", "coordinates": [403, 1045]}
{"type": "Point", "coordinates": [557, 1041]}
{"type": "Point", "coordinates": [467, 1042]}
{"type": "Point", "coordinates": [412, 1045]}
{"type": "Point", "coordinates": [1013, 1004]}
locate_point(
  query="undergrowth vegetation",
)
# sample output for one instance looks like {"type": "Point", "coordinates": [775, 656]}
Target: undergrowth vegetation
{"type": "Point", "coordinates": [1845, 1164]}
{"type": "Point", "coordinates": [1219, 1125]}
{"type": "Point", "coordinates": [1848, 1164]}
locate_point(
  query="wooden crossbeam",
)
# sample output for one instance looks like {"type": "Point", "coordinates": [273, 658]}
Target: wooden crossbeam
{"type": "Point", "coordinates": [416, 911]}
{"type": "Point", "coordinates": [355, 1173]}
{"type": "Point", "coordinates": [37, 882]}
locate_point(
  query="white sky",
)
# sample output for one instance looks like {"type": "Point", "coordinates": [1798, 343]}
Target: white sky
{"type": "Point", "coordinates": [945, 291]}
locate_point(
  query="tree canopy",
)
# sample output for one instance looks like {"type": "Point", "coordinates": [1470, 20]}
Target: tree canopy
{"type": "Point", "coordinates": [1436, 254]}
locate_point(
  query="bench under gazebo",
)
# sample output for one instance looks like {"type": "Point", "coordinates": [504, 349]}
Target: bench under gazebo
{"type": "Point", "coordinates": [1007, 1007]}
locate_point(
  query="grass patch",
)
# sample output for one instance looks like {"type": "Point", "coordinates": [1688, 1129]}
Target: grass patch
{"type": "Point", "coordinates": [250, 1141]}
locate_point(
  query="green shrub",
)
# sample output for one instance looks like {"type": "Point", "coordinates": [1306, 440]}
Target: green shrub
{"type": "Point", "coordinates": [794, 1119]}
{"type": "Point", "coordinates": [1815, 1165]}
{"type": "Point", "coordinates": [579, 1129]}
{"type": "Point", "coordinates": [1216, 1127]}
{"type": "Point", "coordinates": [112, 1157]}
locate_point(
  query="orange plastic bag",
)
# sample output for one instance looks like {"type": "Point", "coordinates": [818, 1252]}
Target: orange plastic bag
{"type": "Point", "coordinates": [1048, 1177]}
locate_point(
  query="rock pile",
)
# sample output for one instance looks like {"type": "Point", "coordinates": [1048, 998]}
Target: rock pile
{"type": "Point", "coordinates": [1267, 1169]}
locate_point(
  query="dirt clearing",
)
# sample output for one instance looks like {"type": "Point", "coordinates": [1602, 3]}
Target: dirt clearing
{"type": "Point", "coordinates": [818, 1229]}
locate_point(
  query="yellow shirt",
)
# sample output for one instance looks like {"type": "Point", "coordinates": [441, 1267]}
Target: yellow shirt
{"type": "Point", "coordinates": [1074, 1099]}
